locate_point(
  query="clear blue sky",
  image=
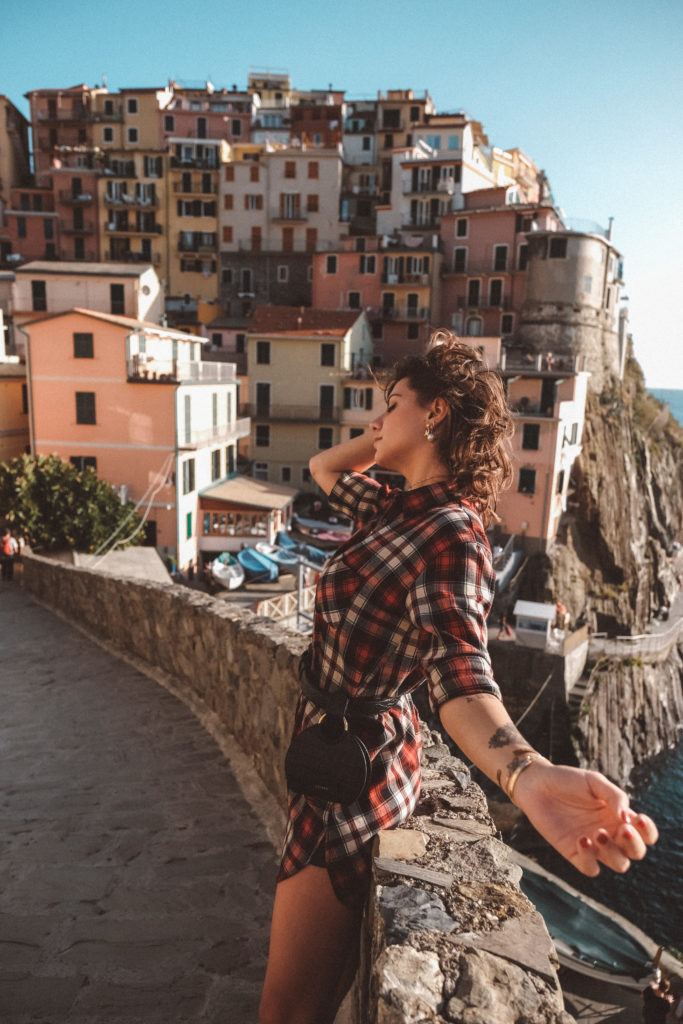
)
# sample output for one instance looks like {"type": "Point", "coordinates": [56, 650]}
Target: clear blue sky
{"type": "Point", "coordinates": [592, 90]}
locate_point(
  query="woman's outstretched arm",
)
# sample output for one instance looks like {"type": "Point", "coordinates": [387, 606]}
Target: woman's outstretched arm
{"type": "Point", "coordinates": [357, 454]}
{"type": "Point", "coordinates": [581, 813]}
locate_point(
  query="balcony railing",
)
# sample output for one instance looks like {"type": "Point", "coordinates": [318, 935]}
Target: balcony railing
{"type": "Point", "coordinates": [307, 413]}
{"type": "Point", "coordinates": [298, 245]}
{"type": "Point", "coordinates": [525, 407]}
{"type": "Point", "coordinates": [217, 435]}
{"type": "Point", "coordinates": [196, 190]}
{"type": "Point", "coordinates": [133, 229]}
{"type": "Point", "coordinates": [133, 202]}
{"type": "Point", "coordinates": [77, 113]}
{"type": "Point", "coordinates": [87, 228]}
{"type": "Point", "coordinates": [147, 368]}
{"type": "Point", "coordinates": [72, 199]}
{"type": "Point", "coordinates": [196, 163]}
{"type": "Point", "coordinates": [484, 302]}
{"type": "Point", "coordinates": [392, 279]}
{"type": "Point", "coordinates": [399, 312]}
{"type": "Point", "coordinates": [537, 362]}
{"type": "Point", "coordinates": [134, 257]}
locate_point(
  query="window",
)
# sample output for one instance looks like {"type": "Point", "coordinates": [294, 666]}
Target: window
{"type": "Point", "coordinates": [324, 437]}
{"type": "Point", "coordinates": [263, 352]}
{"type": "Point", "coordinates": [169, 123]}
{"type": "Point", "coordinates": [391, 118]}
{"type": "Point", "coordinates": [79, 249]}
{"type": "Point", "coordinates": [473, 292]}
{"type": "Point", "coordinates": [290, 169]}
{"type": "Point", "coordinates": [453, 142]}
{"type": "Point", "coordinates": [527, 481]}
{"type": "Point", "coordinates": [500, 257]}
{"type": "Point", "coordinates": [366, 142]}
{"type": "Point", "coordinates": [311, 239]}
{"type": "Point", "coordinates": [354, 300]}
{"type": "Point", "coordinates": [215, 464]}
{"type": "Point", "coordinates": [507, 323]}
{"type": "Point", "coordinates": [461, 227]}
{"type": "Point", "coordinates": [288, 239]}
{"type": "Point", "coordinates": [24, 398]}
{"type": "Point", "coordinates": [188, 526]}
{"type": "Point", "coordinates": [253, 202]}
{"type": "Point", "coordinates": [229, 173]}
{"type": "Point", "coordinates": [260, 471]}
{"type": "Point", "coordinates": [474, 326]}
{"type": "Point", "coordinates": [531, 434]}
{"type": "Point", "coordinates": [262, 399]}
{"type": "Point", "coordinates": [285, 474]}
{"type": "Point", "coordinates": [85, 407]}
{"type": "Point", "coordinates": [82, 462]}
{"type": "Point", "coordinates": [313, 169]}
{"type": "Point", "coordinates": [368, 264]}
{"type": "Point", "coordinates": [558, 249]}
{"type": "Point", "coordinates": [48, 229]}
{"type": "Point", "coordinates": [388, 141]}
{"type": "Point", "coordinates": [107, 134]}
{"type": "Point", "coordinates": [117, 299]}
{"type": "Point", "coordinates": [413, 331]}
{"type": "Point", "coordinates": [414, 114]}
{"type": "Point", "coordinates": [358, 398]}
{"type": "Point", "coordinates": [83, 346]}
{"type": "Point", "coordinates": [228, 201]}
{"type": "Point", "coordinates": [21, 227]}
{"type": "Point", "coordinates": [496, 292]}
{"type": "Point", "coordinates": [39, 296]}
{"type": "Point", "coordinates": [523, 257]}
{"type": "Point", "coordinates": [587, 283]}
{"type": "Point", "coordinates": [188, 476]}
{"type": "Point", "coordinates": [283, 273]}
{"type": "Point", "coordinates": [133, 135]}
{"type": "Point", "coordinates": [262, 435]}
{"type": "Point", "coordinates": [312, 203]}
{"type": "Point", "coordinates": [327, 354]}
{"type": "Point", "coordinates": [201, 127]}
{"type": "Point", "coordinates": [132, 105]}
{"type": "Point", "coordinates": [460, 259]}
{"type": "Point", "coordinates": [256, 238]}
{"type": "Point", "coordinates": [331, 265]}
{"type": "Point", "coordinates": [236, 128]}
{"type": "Point", "coordinates": [434, 141]}
{"type": "Point", "coordinates": [227, 237]}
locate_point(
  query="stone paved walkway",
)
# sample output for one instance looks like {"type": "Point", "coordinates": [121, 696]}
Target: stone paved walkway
{"type": "Point", "coordinates": [135, 880]}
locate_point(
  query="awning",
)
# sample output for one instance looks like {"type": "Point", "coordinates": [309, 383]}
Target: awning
{"type": "Point", "coordinates": [243, 490]}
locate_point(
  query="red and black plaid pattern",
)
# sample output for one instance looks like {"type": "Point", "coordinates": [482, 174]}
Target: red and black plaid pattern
{"type": "Point", "coordinates": [403, 601]}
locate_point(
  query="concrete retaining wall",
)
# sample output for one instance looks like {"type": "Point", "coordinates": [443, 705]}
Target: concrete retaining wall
{"type": "Point", "coordinates": [448, 936]}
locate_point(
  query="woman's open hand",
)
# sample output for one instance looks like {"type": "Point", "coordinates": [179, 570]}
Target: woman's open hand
{"type": "Point", "coordinates": [584, 816]}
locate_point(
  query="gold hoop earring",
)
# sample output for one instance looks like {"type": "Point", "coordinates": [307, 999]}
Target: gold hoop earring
{"type": "Point", "coordinates": [429, 432]}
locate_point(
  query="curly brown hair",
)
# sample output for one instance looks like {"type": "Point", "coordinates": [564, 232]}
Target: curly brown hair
{"type": "Point", "coordinates": [474, 438]}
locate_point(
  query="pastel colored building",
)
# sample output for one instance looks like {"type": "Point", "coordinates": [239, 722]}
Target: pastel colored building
{"type": "Point", "coordinates": [206, 113]}
{"type": "Point", "coordinates": [47, 287]}
{"type": "Point", "coordinates": [15, 164]}
{"type": "Point", "coordinates": [485, 258]}
{"type": "Point", "coordinates": [299, 360]}
{"type": "Point", "coordinates": [273, 89]}
{"type": "Point", "coordinates": [135, 401]}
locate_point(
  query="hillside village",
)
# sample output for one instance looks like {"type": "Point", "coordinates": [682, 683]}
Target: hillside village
{"type": "Point", "coordinates": [196, 284]}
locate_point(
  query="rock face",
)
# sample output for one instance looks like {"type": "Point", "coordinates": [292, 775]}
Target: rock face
{"type": "Point", "coordinates": [615, 565]}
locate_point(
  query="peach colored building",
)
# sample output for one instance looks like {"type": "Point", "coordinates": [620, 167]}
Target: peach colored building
{"type": "Point", "coordinates": [47, 287]}
{"type": "Point", "coordinates": [206, 113]}
{"type": "Point", "coordinates": [135, 401]}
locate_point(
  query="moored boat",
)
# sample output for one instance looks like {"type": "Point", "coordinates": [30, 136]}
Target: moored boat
{"type": "Point", "coordinates": [257, 566]}
{"type": "Point", "coordinates": [227, 571]}
{"type": "Point", "coordinates": [283, 557]}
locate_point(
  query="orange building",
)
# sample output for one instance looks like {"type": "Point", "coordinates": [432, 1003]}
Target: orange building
{"type": "Point", "coordinates": [135, 401]}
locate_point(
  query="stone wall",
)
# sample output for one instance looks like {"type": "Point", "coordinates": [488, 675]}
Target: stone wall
{"type": "Point", "coordinates": [449, 935]}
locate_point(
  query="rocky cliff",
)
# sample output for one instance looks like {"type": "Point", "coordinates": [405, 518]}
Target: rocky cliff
{"type": "Point", "coordinates": [615, 567]}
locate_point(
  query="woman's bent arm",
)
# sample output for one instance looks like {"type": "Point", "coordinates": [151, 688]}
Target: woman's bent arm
{"type": "Point", "coordinates": [581, 813]}
{"type": "Point", "coordinates": [357, 454]}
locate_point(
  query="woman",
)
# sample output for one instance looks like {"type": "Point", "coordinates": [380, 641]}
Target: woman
{"type": "Point", "coordinates": [403, 601]}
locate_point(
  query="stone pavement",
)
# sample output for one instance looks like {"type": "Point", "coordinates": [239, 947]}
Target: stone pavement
{"type": "Point", "coordinates": [136, 879]}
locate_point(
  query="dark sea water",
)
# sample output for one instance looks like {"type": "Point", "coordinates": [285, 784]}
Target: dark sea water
{"type": "Point", "coordinates": [672, 397]}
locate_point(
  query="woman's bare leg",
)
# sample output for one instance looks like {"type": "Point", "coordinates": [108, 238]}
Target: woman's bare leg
{"type": "Point", "coordinates": [314, 940]}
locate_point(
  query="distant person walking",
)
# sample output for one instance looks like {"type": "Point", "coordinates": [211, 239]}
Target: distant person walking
{"type": "Point", "coordinates": [8, 552]}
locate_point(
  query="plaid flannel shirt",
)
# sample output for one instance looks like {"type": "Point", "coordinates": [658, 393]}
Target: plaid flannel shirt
{"type": "Point", "coordinates": [404, 600]}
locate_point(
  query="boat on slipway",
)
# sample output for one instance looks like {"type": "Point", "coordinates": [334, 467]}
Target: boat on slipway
{"type": "Point", "coordinates": [258, 568]}
{"type": "Point", "coordinates": [286, 560]}
{"type": "Point", "coordinates": [308, 552]}
{"type": "Point", "coordinates": [227, 571]}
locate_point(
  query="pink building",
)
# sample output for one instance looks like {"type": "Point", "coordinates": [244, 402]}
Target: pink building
{"type": "Point", "coordinates": [135, 401]}
{"type": "Point", "coordinates": [485, 253]}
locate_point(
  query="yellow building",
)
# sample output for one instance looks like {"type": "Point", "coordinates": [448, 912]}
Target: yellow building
{"type": "Point", "coordinates": [14, 432]}
{"type": "Point", "coordinates": [299, 360]}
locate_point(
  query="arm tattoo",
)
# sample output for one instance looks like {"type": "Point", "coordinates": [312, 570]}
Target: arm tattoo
{"type": "Point", "coordinates": [504, 736]}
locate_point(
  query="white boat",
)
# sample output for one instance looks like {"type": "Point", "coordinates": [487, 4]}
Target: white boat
{"type": "Point", "coordinates": [227, 571]}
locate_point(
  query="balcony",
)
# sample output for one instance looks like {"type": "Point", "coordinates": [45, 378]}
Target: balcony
{"type": "Point", "coordinates": [195, 163]}
{"type": "Point", "coordinates": [548, 364]}
{"type": "Point", "coordinates": [396, 279]}
{"type": "Point", "coordinates": [526, 408]}
{"type": "Point", "coordinates": [97, 116]}
{"type": "Point", "coordinates": [291, 413]}
{"type": "Point", "coordinates": [270, 245]}
{"type": "Point", "coordinates": [120, 169]}
{"type": "Point", "coordinates": [133, 257]}
{"type": "Point", "coordinates": [77, 113]}
{"type": "Point", "coordinates": [79, 199]}
{"type": "Point", "coordinates": [196, 190]}
{"type": "Point", "coordinates": [132, 229]}
{"type": "Point", "coordinates": [221, 435]}
{"type": "Point", "coordinates": [146, 369]}
{"type": "Point", "coordinates": [504, 303]}
{"type": "Point", "coordinates": [87, 228]}
{"type": "Point", "coordinates": [134, 202]}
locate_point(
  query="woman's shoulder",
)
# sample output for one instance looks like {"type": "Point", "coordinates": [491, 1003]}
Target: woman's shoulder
{"type": "Point", "coordinates": [461, 517]}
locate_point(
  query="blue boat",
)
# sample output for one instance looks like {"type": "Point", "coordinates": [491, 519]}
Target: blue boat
{"type": "Point", "coordinates": [285, 558]}
{"type": "Point", "coordinates": [307, 551]}
{"type": "Point", "coordinates": [258, 568]}
{"type": "Point", "coordinates": [283, 540]}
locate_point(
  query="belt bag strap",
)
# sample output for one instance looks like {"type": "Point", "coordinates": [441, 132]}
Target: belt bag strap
{"type": "Point", "coordinates": [338, 702]}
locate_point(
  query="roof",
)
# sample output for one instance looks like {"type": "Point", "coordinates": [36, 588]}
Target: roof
{"type": "Point", "coordinates": [535, 610]}
{"type": "Point", "coordinates": [82, 269]}
{"type": "Point", "coordinates": [303, 321]}
{"type": "Point", "coordinates": [242, 490]}
{"type": "Point", "coordinates": [120, 321]}
{"type": "Point", "coordinates": [139, 563]}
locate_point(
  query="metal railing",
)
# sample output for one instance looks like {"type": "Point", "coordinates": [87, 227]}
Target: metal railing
{"type": "Point", "coordinates": [219, 435]}
{"type": "Point", "coordinates": [147, 368]}
{"type": "Point", "coordinates": [648, 646]}
{"type": "Point", "coordinates": [315, 413]}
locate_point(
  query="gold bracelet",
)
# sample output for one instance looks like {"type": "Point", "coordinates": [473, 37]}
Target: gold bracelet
{"type": "Point", "coordinates": [509, 789]}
